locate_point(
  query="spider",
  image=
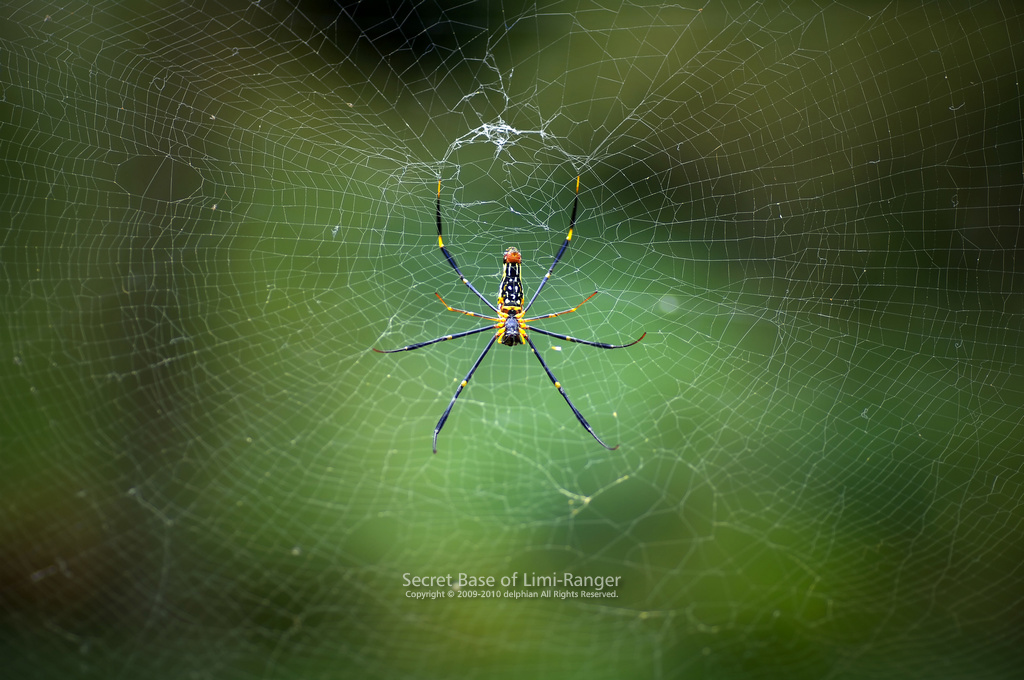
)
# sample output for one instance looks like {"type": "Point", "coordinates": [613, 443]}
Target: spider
{"type": "Point", "coordinates": [511, 323]}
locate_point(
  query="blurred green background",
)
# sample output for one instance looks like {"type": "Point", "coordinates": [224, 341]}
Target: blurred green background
{"type": "Point", "coordinates": [213, 211]}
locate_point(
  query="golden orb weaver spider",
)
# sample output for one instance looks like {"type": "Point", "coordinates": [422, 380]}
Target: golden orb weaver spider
{"type": "Point", "coordinates": [511, 322]}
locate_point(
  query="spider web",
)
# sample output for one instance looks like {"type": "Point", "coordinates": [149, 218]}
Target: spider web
{"type": "Point", "coordinates": [215, 209]}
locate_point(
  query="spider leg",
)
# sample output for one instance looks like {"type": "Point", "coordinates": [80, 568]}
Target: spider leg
{"type": "Point", "coordinates": [548, 316]}
{"type": "Point", "coordinates": [464, 382]}
{"type": "Point", "coordinates": [451, 260]}
{"type": "Point", "coordinates": [431, 342]}
{"type": "Point", "coordinates": [463, 311]}
{"type": "Point", "coordinates": [568, 338]}
{"type": "Point", "coordinates": [554, 381]}
{"type": "Point", "coordinates": [565, 244]}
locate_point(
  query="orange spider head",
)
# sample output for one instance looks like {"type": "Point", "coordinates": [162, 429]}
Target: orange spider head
{"type": "Point", "coordinates": [512, 256]}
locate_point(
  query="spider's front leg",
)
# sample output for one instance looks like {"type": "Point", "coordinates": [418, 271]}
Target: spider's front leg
{"type": "Point", "coordinates": [558, 385]}
{"type": "Point", "coordinates": [465, 381]}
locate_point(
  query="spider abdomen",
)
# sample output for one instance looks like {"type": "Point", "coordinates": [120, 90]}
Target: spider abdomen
{"type": "Point", "coordinates": [510, 293]}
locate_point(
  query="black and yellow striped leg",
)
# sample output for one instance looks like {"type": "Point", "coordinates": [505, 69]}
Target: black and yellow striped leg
{"type": "Point", "coordinates": [451, 260]}
{"type": "Point", "coordinates": [464, 382]}
{"type": "Point", "coordinates": [565, 244]}
{"type": "Point", "coordinates": [569, 338]}
{"type": "Point", "coordinates": [554, 381]}
{"type": "Point", "coordinates": [431, 342]}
